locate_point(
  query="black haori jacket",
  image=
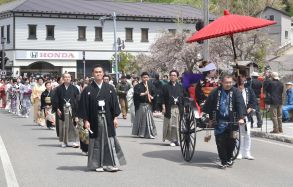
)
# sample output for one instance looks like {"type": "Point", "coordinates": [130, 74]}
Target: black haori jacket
{"type": "Point", "coordinates": [88, 107]}
{"type": "Point", "coordinates": [60, 94]}
{"type": "Point", "coordinates": [140, 88]}
{"type": "Point", "coordinates": [237, 109]}
{"type": "Point", "coordinates": [170, 91]}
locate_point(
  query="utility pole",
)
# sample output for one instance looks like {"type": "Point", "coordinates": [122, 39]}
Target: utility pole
{"type": "Point", "coordinates": [115, 46]}
{"type": "Point", "coordinates": [3, 53]}
{"type": "Point", "coordinates": [83, 60]}
{"type": "Point", "coordinates": [206, 54]}
{"type": "Point", "coordinates": [102, 19]}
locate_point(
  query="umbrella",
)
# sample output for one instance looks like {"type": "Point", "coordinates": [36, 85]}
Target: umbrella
{"type": "Point", "coordinates": [228, 25]}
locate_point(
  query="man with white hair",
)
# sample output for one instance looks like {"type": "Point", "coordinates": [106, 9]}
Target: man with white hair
{"type": "Point", "coordinates": [288, 106]}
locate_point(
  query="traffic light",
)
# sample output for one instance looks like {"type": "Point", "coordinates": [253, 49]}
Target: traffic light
{"type": "Point", "coordinates": [5, 58]}
{"type": "Point", "coordinates": [120, 44]}
{"type": "Point", "coordinates": [198, 26]}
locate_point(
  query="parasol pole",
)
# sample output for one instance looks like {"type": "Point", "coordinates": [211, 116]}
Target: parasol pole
{"type": "Point", "coordinates": [235, 60]}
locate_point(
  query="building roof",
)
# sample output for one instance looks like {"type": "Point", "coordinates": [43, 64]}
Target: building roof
{"type": "Point", "coordinates": [280, 11]}
{"type": "Point", "coordinates": [244, 63]}
{"type": "Point", "coordinates": [102, 7]}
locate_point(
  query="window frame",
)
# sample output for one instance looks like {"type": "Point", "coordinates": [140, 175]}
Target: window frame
{"type": "Point", "coordinates": [2, 32]}
{"type": "Point", "coordinates": [172, 31]}
{"type": "Point", "coordinates": [79, 30]}
{"type": "Point", "coordinates": [32, 37]}
{"type": "Point", "coordinates": [272, 17]}
{"type": "Point", "coordinates": [100, 38]}
{"type": "Point", "coordinates": [8, 34]}
{"type": "Point", "coordinates": [146, 40]}
{"type": "Point", "coordinates": [286, 35]}
{"type": "Point", "coordinates": [127, 39]}
{"type": "Point", "coordinates": [47, 36]}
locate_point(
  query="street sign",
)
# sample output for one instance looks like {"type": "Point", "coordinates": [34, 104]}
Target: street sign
{"type": "Point", "coordinates": [2, 72]}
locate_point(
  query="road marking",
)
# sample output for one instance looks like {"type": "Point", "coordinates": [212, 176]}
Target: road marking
{"type": "Point", "coordinates": [11, 180]}
{"type": "Point", "coordinates": [275, 143]}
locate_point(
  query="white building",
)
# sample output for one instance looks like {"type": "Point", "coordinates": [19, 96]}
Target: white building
{"type": "Point", "coordinates": [280, 33]}
{"type": "Point", "coordinates": [49, 36]}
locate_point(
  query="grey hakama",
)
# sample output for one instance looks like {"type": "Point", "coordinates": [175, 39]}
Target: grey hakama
{"type": "Point", "coordinates": [104, 151]}
{"type": "Point", "coordinates": [144, 125]}
{"type": "Point", "coordinates": [171, 126]}
{"type": "Point", "coordinates": [67, 131]}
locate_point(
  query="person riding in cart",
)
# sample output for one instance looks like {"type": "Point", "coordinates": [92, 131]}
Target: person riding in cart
{"type": "Point", "coordinates": [206, 85]}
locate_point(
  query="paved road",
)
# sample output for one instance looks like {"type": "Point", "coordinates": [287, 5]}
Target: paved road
{"type": "Point", "coordinates": [38, 160]}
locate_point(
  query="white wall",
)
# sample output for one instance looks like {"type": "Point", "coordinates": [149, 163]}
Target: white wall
{"type": "Point", "coordinates": [66, 34]}
{"type": "Point", "coordinates": [275, 30]}
{"type": "Point", "coordinates": [286, 26]}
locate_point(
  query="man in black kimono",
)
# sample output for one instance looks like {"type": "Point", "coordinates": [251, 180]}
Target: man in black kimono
{"type": "Point", "coordinates": [99, 109]}
{"type": "Point", "coordinates": [65, 104]}
{"type": "Point", "coordinates": [144, 125]}
{"type": "Point", "coordinates": [172, 108]}
{"type": "Point", "coordinates": [225, 106]}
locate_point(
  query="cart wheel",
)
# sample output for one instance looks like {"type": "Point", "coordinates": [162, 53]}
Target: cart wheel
{"type": "Point", "coordinates": [237, 145]}
{"type": "Point", "coordinates": [187, 133]}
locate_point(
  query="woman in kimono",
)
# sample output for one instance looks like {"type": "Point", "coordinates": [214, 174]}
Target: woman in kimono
{"type": "Point", "coordinates": [25, 98]}
{"type": "Point", "coordinates": [130, 101]}
{"type": "Point", "coordinates": [99, 109]}
{"type": "Point", "coordinates": [205, 86]}
{"type": "Point", "coordinates": [46, 106]}
{"type": "Point", "coordinates": [8, 95]}
{"type": "Point", "coordinates": [2, 94]}
{"type": "Point", "coordinates": [83, 133]}
{"type": "Point", "coordinates": [144, 125]}
{"type": "Point", "coordinates": [14, 94]}
{"type": "Point", "coordinates": [36, 98]}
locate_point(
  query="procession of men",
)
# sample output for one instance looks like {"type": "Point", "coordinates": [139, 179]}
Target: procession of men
{"type": "Point", "coordinates": [85, 113]}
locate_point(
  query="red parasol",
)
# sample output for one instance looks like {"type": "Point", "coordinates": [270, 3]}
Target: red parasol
{"type": "Point", "coordinates": [228, 25]}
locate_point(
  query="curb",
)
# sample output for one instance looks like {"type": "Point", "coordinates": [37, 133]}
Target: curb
{"type": "Point", "coordinates": [277, 137]}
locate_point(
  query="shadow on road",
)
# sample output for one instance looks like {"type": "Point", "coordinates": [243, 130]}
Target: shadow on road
{"type": "Point", "coordinates": [73, 168]}
{"type": "Point", "coordinates": [29, 125]}
{"type": "Point", "coordinates": [35, 129]}
{"type": "Point", "coordinates": [200, 158]}
{"type": "Point", "coordinates": [48, 138]}
{"type": "Point", "coordinates": [129, 136]}
{"type": "Point", "coordinates": [70, 154]}
{"type": "Point", "coordinates": [159, 144]}
{"type": "Point", "coordinates": [49, 145]}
